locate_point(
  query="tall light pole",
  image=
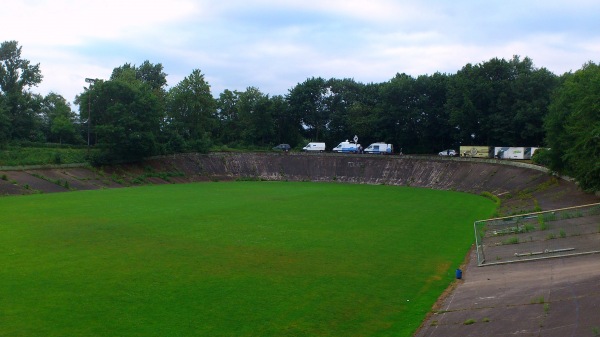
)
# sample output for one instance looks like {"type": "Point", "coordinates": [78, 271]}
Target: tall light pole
{"type": "Point", "coordinates": [90, 81]}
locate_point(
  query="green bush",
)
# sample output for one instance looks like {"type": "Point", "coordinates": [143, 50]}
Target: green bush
{"type": "Point", "coordinates": [57, 158]}
{"type": "Point", "coordinates": [541, 157]}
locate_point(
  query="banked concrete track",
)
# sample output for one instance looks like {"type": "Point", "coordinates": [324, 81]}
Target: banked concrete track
{"type": "Point", "coordinates": [502, 300]}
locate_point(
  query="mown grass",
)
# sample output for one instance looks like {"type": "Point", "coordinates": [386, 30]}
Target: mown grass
{"type": "Point", "coordinates": [230, 259]}
{"type": "Point", "coordinates": [20, 156]}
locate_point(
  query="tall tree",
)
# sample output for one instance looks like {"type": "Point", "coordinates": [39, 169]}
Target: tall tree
{"type": "Point", "coordinates": [500, 102]}
{"type": "Point", "coordinates": [58, 120]}
{"type": "Point", "coordinates": [288, 128]}
{"type": "Point", "coordinates": [191, 111]}
{"type": "Point", "coordinates": [431, 122]}
{"type": "Point", "coordinates": [573, 127]}
{"type": "Point", "coordinates": [125, 118]}
{"type": "Point", "coordinates": [533, 90]}
{"type": "Point", "coordinates": [251, 118]}
{"type": "Point", "coordinates": [148, 73]}
{"type": "Point", "coordinates": [4, 122]}
{"type": "Point", "coordinates": [309, 101]}
{"type": "Point", "coordinates": [346, 110]}
{"type": "Point", "coordinates": [256, 120]}
{"type": "Point", "coordinates": [17, 76]}
{"type": "Point", "coordinates": [152, 74]}
{"type": "Point", "coordinates": [228, 117]}
{"type": "Point", "coordinates": [396, 120]}
{"type": "Point", "coordinates": [125, 73]}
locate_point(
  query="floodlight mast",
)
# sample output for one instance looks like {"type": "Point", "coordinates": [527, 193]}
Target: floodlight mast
{"type": "Point", "coordinates": [90, 81]}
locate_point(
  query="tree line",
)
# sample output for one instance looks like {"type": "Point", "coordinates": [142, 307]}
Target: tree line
{"type": "Point", "coordinates": [133, 114]}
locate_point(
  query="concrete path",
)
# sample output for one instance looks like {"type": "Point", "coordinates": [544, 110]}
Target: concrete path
{"type": "Point", "coordinates": [550, 298]}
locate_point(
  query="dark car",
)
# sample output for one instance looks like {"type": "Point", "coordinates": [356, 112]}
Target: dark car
{"type": "Point", "coordinates": [282, 147]}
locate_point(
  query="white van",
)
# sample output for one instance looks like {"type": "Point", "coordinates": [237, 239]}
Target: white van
{"type": "Point", "coordinates": [380, 148]}
{"type": "Point", "coordinates": [314, 147]}
{"type": "Point", "coordinates": [347, 147]}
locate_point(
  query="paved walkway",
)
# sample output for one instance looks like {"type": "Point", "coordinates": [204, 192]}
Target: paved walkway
{"type": "Point", "coordinates": [550, 298]}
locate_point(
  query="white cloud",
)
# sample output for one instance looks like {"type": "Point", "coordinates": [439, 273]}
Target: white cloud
{"type": "Point", "coordinates": [378, 11]}
{"type": "Point", "coordinates": [73, 22]}
{"type": "Point", "coordinates": [273, 45]}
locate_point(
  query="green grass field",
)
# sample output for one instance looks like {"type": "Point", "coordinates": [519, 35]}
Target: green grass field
{"type": "Point", "coordinates": [230, 259]}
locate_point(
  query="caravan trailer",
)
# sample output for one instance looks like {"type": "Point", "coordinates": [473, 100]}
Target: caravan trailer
{"type": "Point", "coordinates": [477, 151]}
{"type": "Point", "coordinates": [512, 152]}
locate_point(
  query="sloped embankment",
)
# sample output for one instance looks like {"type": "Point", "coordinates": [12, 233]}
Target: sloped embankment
{"type": "Point", "coordinates": [520, 187]}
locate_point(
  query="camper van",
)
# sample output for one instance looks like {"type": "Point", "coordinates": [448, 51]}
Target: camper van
{"type": "Point", "coordinates": [380, 148]}
{"type": "Point", "coordinates": [314, 147]}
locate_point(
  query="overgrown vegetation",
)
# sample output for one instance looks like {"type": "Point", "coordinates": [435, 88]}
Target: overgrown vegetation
{"type": "Point", "coordinates": [539, 300]}
{"type": "Point", "coordinates": [511, 241]}
{"type": "Point", "coordinates": [492, 197]}
{"type": "Point", "coordinates": [21, 156]}
{"type": "Point", "coordinates": [149, 172]}
{"type": "Point", "coordinates": [58, 182]}
{"type": "Point", "coordinates": [542, 223]}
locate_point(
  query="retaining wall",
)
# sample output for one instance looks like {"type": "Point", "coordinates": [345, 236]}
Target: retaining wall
{"type": "Point", "coordinates": [520, 186]}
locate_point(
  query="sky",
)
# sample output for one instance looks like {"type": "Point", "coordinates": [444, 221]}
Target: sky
{"type": "Point", "coordinates": [275, 45]}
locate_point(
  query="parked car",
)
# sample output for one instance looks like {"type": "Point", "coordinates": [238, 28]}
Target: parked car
{"type": "Point", "coordinates": [448, 152]}
{"type": "Point", "coordinates": [282, 147]}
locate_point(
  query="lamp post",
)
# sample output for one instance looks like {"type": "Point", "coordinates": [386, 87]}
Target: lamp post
{"type": "Point", "coordinates": [90, 81]}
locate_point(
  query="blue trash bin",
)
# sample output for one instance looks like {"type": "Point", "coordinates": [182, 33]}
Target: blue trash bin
{"type": "Point", "coordinates": [458, 274]}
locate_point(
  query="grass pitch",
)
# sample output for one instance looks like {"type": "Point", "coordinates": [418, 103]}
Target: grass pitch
{"type": "Point", "coordinates": [230, 259]}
